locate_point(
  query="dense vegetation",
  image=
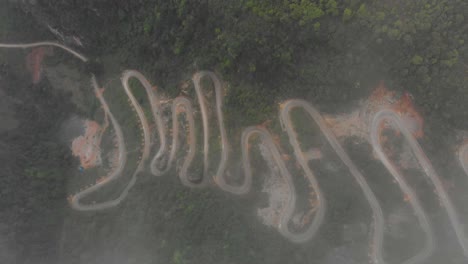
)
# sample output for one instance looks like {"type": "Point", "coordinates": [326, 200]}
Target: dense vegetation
{"type": "Point", "coordinates": [33, 175]}
{"type": "Point", "coordinates": [34, 164]}
{"type": "Point", "coordinates": [327, 51]}
{"type": "Point", "coordinates": [332, 50]}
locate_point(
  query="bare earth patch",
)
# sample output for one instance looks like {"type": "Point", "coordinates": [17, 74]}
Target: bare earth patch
{"type": "Point", "coordinates": [87, 146]}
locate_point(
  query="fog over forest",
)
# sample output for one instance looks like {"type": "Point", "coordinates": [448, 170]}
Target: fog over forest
{"type": "Point", "coordinates": [249, 131]}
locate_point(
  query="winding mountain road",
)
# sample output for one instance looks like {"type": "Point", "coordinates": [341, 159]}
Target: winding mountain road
{"type": "Point", "coordinates": [394, 118]}
{"type": "Point", "coordinates": [165, 156]}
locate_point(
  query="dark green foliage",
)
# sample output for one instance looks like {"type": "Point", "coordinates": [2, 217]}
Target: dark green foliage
{"type": "Point", "coordinates": [329, 52]}
{"type": "Point", "coordinates": [315, 46]}
{"type": "Point", "coordinates": [34, 173]}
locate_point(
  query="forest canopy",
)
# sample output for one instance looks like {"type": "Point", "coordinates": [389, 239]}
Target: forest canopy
{"type": "Point", "coordinates": [329, 52]}
{"type": "Point", "coordinates": [317, 48]}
